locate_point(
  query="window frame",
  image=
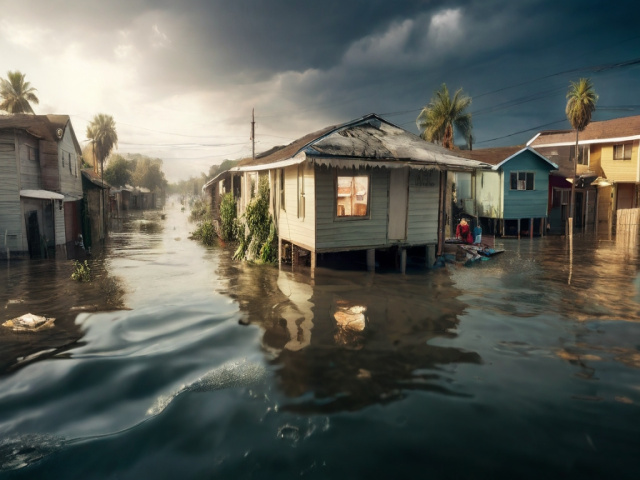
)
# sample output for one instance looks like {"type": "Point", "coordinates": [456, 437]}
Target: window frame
{"type": "Point", "coordinates": [283, 205]}
{"type": "Point", "coordinates": [301, 195]}
{"type": "Point", "coordinates": [560, 197]}
{"type": "Point", "coordinates": [526, 174]}
{"type": "Point", "coordinates": [624, 146]}
{"type": "Point", "coordinates": [367, 214]}
{"type": "Point", "coordinates": [584, 153]}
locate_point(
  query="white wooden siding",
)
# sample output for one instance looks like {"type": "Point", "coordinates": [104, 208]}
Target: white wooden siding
{"type": "Point", "coordinates": [10, 217]}
{"type": "Point", "coordinates": [70, 179]}
{"type": "Point", "coordinates": [300, 231]}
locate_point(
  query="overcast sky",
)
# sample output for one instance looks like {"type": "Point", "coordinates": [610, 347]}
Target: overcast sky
{"type": "Point", "coordinates": [180, 77]}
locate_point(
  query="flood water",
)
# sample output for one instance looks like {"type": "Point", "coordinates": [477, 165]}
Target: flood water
{"type": "Point", "coordinates": [179, 362]}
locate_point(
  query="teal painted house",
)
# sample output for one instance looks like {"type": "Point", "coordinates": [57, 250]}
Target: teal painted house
{"type": "Point", "coordinates": [512, 197]}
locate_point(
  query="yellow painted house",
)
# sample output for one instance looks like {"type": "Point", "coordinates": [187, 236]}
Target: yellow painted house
{"type": "Point", "coordinates": [608, 159]}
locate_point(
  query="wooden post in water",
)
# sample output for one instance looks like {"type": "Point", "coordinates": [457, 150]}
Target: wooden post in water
{"type": "Point", "coordinates": [371, 259]}
{"type": "Point", "coordinates": [403, 261]}
{"type": "Point", "coordinates": [531, 228]}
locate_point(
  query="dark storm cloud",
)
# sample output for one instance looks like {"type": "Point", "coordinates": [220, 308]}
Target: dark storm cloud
{"type": "Point", "coordinates": [305, 64]}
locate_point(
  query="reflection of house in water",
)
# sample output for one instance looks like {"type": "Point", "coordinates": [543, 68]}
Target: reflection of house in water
{"type": "Point", "coordinates": [318, 341]}
{"type": "Point", "coordinates": [354, 343]}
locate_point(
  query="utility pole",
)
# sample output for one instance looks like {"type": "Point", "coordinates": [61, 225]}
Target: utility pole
{"type": "Point", "coordinates": [253, 134]}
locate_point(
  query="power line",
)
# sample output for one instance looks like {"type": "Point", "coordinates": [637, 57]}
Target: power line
{"type": "Point", "coordinates": [523, 131]}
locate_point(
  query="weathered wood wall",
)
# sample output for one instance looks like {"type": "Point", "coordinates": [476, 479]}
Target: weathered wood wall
{"type": "Point", "coordinates": [10, 217]}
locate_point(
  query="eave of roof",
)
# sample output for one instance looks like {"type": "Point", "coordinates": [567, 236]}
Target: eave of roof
{"type": "Point", "coordinates": [369, 140]}
{"type": "Point", "coordinates": [605, 131]}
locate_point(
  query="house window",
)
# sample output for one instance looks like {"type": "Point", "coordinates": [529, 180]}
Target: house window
{"type": "Point", "coordinates": [622, 151]}
{"type": "Point", "coordinates": [560, 197]}
{"type": "Point", "coordinates": [32, 153]}
{"type": "Point", "coordinates": [282, 198]}
{"type": "Point", "coordinates": [352, 196]}
{"type": "Point", "coordinates": [522, 180]}
{"type": "Point", "coordinates": [253, 184]}
{"type": "Point", "coordinates": [301, 199]}
{"type": "Point", "coordinates": [62, 157]}
{"type": "Point", "coordinates": [70, 171]}
{"type": "Point", "coordinates": [583, 154]}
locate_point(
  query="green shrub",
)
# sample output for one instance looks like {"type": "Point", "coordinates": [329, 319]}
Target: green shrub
{"type": "Point", "coordinates": [81, 271]}
{"type": "Point", "coordinates": [257, 235]}
{"type": "Point", "coordinates": [205, 232]}
{"type": "Point", "coordinates": [199, 211]}
{"type": "Point", "coordinates": [228, 217]}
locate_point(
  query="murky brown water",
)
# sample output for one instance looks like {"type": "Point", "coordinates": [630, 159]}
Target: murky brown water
{"type": "Point", "coordinates": [197, 365]}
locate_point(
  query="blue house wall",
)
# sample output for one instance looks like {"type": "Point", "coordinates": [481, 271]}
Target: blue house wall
{"type": "Point", "coordinates": [526, 203]}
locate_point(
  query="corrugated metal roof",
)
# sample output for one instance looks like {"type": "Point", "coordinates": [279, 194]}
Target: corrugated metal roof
{"type": "Point", "coordinates": [370, 140]}
{"type": "Point", "coordinates": [41, 194]}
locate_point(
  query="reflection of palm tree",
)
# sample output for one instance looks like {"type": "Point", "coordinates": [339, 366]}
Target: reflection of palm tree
{"type": "Point", "coordinates": [581, 103]}
{"type": "Point", "coordinates": [437, 120]}
{"type": "Point", "coordinates": [17, 95]}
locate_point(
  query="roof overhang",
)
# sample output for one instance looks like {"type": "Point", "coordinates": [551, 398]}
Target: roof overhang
{"type": "Point", "coordinates": [572, 143]}
{"type": "Point", "coordinates": [41, 194]}
{"type": "Point", "coordinates": [542, 157]}
{"type": "Point", "coordinates": [364, 163]}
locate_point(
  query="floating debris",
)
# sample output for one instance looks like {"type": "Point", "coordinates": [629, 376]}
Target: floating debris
{"type": "Point", "coordinates": [29, 323]}
{"type": "Point", "coordinates": [351, 318]}
{"type": "Point", "coordinates": [14, 301]}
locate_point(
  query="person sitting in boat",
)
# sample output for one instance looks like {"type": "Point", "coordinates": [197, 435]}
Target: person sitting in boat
{"type": "Point", "coordinates": [463, 232]}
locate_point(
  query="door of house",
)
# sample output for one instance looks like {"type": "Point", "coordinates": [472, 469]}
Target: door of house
{"type": "Point", "coordinates": [626, 195]}
{"type": "Point", "coordinates": [33, 234]}
{"type": "Point", "coordinates": [398, 203]}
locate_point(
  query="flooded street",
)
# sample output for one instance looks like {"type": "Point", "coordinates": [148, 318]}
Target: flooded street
{"type": "Point", "coordinates": [179, 362]}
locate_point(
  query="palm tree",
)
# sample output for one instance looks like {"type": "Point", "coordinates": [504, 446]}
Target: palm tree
{"type": "Point", "coordinates": [16, 94]}
{"type": "Point", "coordinates": [437, 120]}
{"type": "Point", "coordinates": [102, 132]}
{"type": "Point", "coordinates": [581, 103]}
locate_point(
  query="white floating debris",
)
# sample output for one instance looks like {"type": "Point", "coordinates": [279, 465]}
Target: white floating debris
{"type": "Point", "coordinates": [29, 323]}
{"type": "Point", "coordinates": [13, 301]}
{"type": "Point", "coordinates": [352, 318]}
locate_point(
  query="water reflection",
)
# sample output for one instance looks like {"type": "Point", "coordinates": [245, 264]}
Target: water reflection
{"type": "Point", "coordinates": [45, 288]}
{"type": "Point", "coordinates": [232, 370]}
{"type": "Point", "coordinates": [344, 340]}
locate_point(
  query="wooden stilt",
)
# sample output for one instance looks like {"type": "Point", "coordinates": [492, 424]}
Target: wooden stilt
{"type": "Point", "coordinates": [371, 259]}
{"type": "Point", "coordinates": [531, 228]}
{"type": "Point", "coordinates": [403, 260]}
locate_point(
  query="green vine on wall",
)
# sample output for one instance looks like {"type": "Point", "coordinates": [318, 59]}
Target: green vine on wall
{"type": "Point", "coordinates": [256, 232]}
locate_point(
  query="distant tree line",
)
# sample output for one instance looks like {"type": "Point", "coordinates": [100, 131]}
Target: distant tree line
{"type": "Point", "coordinates": [193, 185]}
{"type": "Point", "coordinates": [136, 170]}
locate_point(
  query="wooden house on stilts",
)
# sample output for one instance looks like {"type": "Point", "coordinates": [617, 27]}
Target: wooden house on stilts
{"type": "Point", "coordinates": [366, 185]}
